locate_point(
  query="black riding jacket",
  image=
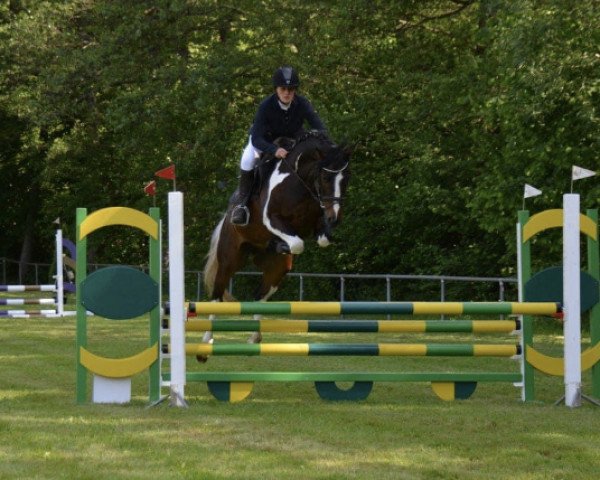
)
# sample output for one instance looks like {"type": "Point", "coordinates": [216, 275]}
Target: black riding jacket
{"type": "Point", "coordinates": [272, 122]}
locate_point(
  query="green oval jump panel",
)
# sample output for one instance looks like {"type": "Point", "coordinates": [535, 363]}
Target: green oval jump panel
{"type": "Point", "coordinates": [547, 286]}
{"type": "Point", "coordinates": [453, 390]}
{"type": "Point", "coordinates": [119, 293]}
{"type": "Point", "coordinates": [330, 391]}
{"type": "Point", "coordinates": [230, 391]}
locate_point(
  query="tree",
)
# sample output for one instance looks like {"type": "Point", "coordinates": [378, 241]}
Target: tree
{"type": "Point", "coordinates": [452, 105]}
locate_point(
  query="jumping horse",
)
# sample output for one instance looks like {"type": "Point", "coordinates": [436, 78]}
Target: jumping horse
{"type": "Point", "coordinates": [297, 197]}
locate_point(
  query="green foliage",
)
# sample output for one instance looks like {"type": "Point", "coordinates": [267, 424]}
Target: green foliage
{"type": "Point", "coordinates": [452, 105]}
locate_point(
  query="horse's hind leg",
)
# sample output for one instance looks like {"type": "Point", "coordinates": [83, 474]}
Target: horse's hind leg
{"type": "Point", "coordinates": [219, 287]}
{"type": "Point", "coordinates": [274, 267]}
{"type": "Point", "coordinates": [226, 267]}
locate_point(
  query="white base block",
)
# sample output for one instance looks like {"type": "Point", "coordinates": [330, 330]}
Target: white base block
{"type": "Point", "coordinates": [111, 390]}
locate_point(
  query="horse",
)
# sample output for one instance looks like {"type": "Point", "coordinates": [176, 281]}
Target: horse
{"type": "Point", "coordinates": [297, 197]}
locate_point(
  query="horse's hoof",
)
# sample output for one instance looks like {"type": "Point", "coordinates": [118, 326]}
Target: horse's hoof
{"type": "Point", "coordinates": [283, 248]}
{"type": "Point", "coordinates": [202, 358]}
{"type": "Point", "coordinates": [256, 337]}
{"type": "Point", "coordinates": [278, 246]}
{"type": "Point", "coordinates": [323, 241]}
{"type": "Point", "coordinates": [240, 216]}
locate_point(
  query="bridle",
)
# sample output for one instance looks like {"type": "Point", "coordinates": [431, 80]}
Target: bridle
{"type": "Point", "coordinates": [333, 199]}
{"type": "Point", "coordinates": [316, 194]}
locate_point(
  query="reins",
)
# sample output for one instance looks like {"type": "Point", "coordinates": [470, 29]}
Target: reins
{"type": "Point", "coordinates": [337, 200]}
{"type": "Point", "coordinates": [317, 196]}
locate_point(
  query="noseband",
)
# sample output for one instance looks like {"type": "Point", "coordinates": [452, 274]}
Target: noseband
{"type": "Point", "coordinates": [316, 194]}
{"type": "Point", "coordinates": [321, 198]}
{"type": "Point", "coordinates": [329, 170]}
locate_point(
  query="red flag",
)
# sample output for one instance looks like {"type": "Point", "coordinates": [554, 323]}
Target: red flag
{"type": "Point", "coordinates": [150, 189]}
{"type": "Point", "coordinates": [168, 173]}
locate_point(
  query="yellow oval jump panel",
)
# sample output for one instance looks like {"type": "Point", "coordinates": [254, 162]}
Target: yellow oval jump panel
{"type": "Point", "coordinates": [556, 365]}
{"type": "Point", "coordinates": [553, 218]}
{"type": "Point", "coordinates": [239, 391]}
{"type": "Point", "coordinates": [119, 367]}
{"type": "Point", "coordinates": [118, 216]}
{"type": "Point", "coordinates": [444, 390]}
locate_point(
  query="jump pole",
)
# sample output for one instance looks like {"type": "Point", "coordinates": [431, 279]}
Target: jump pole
{"type": "Point", "coordinates": [177, 300]}
{"type": "Point", "coordinates": [526, 370]}
{"type": "Point", "coordinates": [571, 300]}
{"type": "Point", "coordinates": [59, 278]}
{"type": "Point", "coordinates": [57, 288]}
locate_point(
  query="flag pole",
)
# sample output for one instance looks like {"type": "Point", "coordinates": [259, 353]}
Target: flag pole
{"type": "Point", "coordinates": [168, 173]}
{"type": "Point", "coordinates": [150, 190]}
{"type": "Point", "coordinates": [530, 191]}
{"type": "Point", "coordinates": [577, 173]}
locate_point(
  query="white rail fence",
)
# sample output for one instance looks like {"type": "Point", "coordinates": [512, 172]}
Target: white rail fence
{"type": "Point", "coordinates": [39, 273]}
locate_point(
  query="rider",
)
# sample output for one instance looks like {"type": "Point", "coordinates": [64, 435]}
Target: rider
{"type": "Point", "coordinates": [282, 114]}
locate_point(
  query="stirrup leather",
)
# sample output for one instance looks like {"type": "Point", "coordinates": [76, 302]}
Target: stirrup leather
{"type": "Point", "coordinates": [235, 212]}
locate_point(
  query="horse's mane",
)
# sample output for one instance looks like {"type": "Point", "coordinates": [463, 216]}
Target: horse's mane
{"type": "Point", "coordinates": [303, 142]}
{"type": "Point", "coordinates": [332, 157]}
{"type": "Point", "coordinates": [313, 135]}
{"type": "Point", "coordinates": [309, 141]}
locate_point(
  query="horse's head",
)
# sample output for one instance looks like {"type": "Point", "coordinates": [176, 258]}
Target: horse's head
{"type": "Point", "coordinates": [334, 174]}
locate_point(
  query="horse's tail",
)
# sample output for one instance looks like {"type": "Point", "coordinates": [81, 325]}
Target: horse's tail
{"type": "Point", "coordinates": [212, 262]}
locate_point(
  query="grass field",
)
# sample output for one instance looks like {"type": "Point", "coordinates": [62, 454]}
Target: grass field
{"type": "Point", "coordinates": [283, 430]}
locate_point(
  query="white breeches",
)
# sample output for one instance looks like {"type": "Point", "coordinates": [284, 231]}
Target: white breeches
{"type": "Point", "coordinates": [249, 156]}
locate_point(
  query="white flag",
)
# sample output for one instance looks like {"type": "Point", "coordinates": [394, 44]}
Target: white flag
{"type": "Point", "coordinates": [579, 173]}
{"type": "Point", "coordinates": [531, 191]}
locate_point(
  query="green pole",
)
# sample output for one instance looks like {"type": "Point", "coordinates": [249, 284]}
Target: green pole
{"type": "Point", "coordinates": [593, 261]}
{"type": "Point", "coordinates": [528, 370]}
{"type": "Point", "coordinates": [81, 335]}
{"type": "Point", "coordinates": [155, 274]}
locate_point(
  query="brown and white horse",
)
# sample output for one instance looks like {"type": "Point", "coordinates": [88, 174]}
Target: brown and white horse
{"type": "Point", "coordinates": [299, 197]}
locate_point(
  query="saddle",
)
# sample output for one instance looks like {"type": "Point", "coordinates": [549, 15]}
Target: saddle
{"type": "Point", "coordinates": [263, 169]}
{"type": "Point", "coordinates": [266, 163]}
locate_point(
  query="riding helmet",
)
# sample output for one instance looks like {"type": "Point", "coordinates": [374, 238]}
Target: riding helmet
{"type": "Point", "coordinates": [286, 76]}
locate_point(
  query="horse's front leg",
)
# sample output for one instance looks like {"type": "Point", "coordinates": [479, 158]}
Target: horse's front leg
{"type": "Point", "coordinates": [274, 267]}
{"type": "Point", "coordinates": [207, 338]}
{"type": "Point", "coordinates": [323, 232]}
{"type": "Point", "coordinates": [290, 241]}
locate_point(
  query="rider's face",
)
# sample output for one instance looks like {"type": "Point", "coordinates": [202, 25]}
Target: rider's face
{"type": "Point", "coordinates": [286, 94]}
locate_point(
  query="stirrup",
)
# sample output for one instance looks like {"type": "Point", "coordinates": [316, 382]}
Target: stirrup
{"type": "Point", "coordinates": [246, 213]}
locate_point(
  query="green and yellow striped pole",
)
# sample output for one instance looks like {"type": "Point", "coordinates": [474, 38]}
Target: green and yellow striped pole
{"type": "Point", "coordinates": [375, 308]}
{"type": "Point", "coordinates": [352, 349]}
{"type": "Point", "coordinates": [355, 326]}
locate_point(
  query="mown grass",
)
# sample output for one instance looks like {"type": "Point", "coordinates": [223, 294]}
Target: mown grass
{"type": "Point", "coordinates": [284, 430]}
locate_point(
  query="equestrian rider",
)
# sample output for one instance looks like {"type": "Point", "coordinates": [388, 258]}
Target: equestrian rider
{"type": "Point", "coordinates": [282, 114]}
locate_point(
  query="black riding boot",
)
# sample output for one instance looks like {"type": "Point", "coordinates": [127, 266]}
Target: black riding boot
{"type": "Point", "coordinates": [240, 214]}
